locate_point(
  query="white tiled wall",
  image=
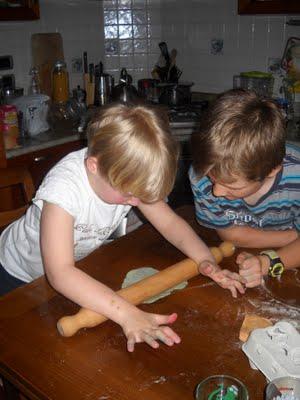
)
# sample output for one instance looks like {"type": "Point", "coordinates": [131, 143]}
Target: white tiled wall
{"type": "Point", "coordinates": [80, 23]}
{"type": "Point", "coordinates": [249, 41]}
{"type": "Point", "coordinates": [187, 25]}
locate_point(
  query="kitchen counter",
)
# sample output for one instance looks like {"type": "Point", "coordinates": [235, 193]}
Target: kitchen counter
{"type": "Point", "coordinates": [62, 132]}
{"type": "Point", "coordinates": [65, 132]}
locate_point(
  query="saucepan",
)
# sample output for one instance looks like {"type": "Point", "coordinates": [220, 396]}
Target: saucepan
{"type": "Point", "coordinates": [175, 94]}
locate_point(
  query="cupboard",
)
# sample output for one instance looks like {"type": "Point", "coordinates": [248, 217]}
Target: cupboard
{"type": "Point", "coordinates": [20, 10]}
{"type": "Point", "coordinates": [268, 6]}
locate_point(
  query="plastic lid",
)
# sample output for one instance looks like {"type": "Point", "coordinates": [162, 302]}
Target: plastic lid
{"type": "Point", "coordinates": [256, 74]}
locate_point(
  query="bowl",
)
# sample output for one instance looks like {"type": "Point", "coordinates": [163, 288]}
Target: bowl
{"type": "Point", "coordinates": [221, 387]}
{"type": "Point", "coordinates": [286, 387]}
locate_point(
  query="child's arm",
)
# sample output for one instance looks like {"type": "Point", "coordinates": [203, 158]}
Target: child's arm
{"type": "Point", "coordinates": [181, 235]}
{"type": "Point", "coordinates": [245, 236]}
{"type": "Point", "coordinates": [253, 268]}
{"type": "Point", "coordinates": [56, 237]}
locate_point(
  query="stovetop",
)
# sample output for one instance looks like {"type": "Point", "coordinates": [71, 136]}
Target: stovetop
{"type": "Point", "coordinates": [187, 116]}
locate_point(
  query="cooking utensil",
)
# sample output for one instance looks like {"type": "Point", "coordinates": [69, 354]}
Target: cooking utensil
{"type": "Point", "coordinates": [147, 89]}
{"type": "Point", "coordinates": [144, 289]}
{"type": "Point", "coordinates": [89, 80]}
{"type": "Point", "coordinates": [175, 94]}
{"type": "Point", "coordinates": [125, 91]}
{"type": "Point", "coordinates": [85, 63]}
{"type": "Point", "coordinates": [163, 65]}
{"type": "Point", "coordinates": [104, 84]}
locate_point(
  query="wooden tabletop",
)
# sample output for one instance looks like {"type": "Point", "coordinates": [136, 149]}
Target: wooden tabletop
{"type": "Point", "coordinates": [94, 364]}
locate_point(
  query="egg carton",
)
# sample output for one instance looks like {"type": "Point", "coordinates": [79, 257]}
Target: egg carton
{"type": "Point", "coordinates": [275, 350]}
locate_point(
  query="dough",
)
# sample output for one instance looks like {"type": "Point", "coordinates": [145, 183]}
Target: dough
{"type": "Point", "coordinates": [136, 275]}
{"type": "Point", "coordinates": [251, 322]}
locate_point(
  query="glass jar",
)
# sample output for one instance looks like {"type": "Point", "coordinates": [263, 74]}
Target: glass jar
{"type": "Point", "coordinates": [60, 83]}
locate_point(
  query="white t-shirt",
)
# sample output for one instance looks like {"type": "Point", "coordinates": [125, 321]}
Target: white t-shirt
{"type": "Point", "coordinates": [67, 186]}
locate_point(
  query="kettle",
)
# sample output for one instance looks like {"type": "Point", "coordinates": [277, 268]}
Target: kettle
{"type": "Point", "coordinates": [125, 92]}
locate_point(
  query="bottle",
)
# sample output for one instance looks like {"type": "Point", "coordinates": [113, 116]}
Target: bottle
{"type": "Point", "coordinates": [34, 87]}
{"type": "Point", "coordinates": [60, 83]}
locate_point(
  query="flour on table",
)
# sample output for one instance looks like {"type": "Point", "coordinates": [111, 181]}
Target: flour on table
{"type": "Point", "coordinates": [136, 275]}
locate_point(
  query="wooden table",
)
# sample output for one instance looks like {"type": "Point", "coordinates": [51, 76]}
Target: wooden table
{"type": "Point", "coordinates": [94, 364]}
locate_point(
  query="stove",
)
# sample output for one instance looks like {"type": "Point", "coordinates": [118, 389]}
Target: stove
{"type": "Point", "coordinates": [185, 119]}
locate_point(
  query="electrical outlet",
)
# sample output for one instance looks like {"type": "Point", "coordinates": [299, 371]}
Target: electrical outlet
{"type": "Point", "coordinates": [216, 46]}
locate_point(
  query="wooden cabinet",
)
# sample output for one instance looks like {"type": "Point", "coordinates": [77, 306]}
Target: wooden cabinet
{"type": "Point", "coordinates": [41, 161]}
{"type": "Point", "coordinates": [269, 6]}
{"type": "Point", "coordinates": [23, 10]}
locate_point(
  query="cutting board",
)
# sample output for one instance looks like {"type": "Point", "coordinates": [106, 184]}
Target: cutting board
{"type": "Point", "coordinates": [46, 49]}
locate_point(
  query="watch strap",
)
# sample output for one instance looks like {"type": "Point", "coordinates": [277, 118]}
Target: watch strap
{"type": "Point", "coordinates": [276, 265]}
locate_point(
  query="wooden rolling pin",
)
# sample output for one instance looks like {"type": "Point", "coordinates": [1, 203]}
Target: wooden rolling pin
{"type": "Point", "coordinates": [143, 290]}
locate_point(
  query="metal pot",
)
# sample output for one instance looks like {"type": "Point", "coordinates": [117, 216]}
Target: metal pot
{"type": "Point", "coordinates": [147, 89]}
{"type": "Point", "coordinates": [104, 84]}
{"type": "Point", "coordinates": [175, 94]}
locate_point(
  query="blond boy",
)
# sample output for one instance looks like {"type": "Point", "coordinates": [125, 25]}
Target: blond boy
{"type": "Point", "coordinates": [131, 160]}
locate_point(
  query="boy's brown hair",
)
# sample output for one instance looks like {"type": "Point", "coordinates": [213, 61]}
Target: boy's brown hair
{"type": "Point", "coordinates": [135, 150]}
{"type": "Point", "coordinates": [242, 135]}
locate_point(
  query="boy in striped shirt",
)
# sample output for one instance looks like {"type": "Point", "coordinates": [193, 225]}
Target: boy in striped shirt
{"type": "Point", "coordinates": [246, 182]}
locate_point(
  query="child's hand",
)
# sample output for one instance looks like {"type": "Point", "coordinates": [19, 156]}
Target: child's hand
{"type": "Point", "coordinates": [252, 268]}
{"type": "Point", "coordinates": [226, 279]}
{"type": "Point", "coordinates": [149, 328]}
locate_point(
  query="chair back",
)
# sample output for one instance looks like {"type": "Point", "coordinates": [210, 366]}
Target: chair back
{"type": "Point", "coordinates": [17, 189]}
{"type": "Point", "coordinates": [3, 161]}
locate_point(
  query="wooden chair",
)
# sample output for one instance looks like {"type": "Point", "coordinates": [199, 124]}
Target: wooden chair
{"type": "Point", "coordinates": [16, 192]}
{"type": "Point", "coordinates": [2, 152]}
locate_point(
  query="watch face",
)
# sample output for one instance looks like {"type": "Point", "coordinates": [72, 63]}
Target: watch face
{"type": "Point", "coordinates": [276, 269]}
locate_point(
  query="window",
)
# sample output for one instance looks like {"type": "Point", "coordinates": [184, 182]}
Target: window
{"type": "Point", "coordinates": [132, 33]}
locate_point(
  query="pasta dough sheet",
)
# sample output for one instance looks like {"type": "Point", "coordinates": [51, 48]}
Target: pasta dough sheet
{"type": "Point", "coordinates": [136, 275]}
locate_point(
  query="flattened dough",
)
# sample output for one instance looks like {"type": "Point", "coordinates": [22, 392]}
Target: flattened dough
{"type": "Point", "coordinates": [136, 275]}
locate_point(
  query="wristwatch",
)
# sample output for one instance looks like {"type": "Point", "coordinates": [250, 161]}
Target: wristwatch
{"type": "Point", "coordinates": [276, 265]}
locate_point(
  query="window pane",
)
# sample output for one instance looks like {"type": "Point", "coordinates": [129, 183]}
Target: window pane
{"type": "Point", "coordinates": [125, 31]}
{"type": "Point", "coordinates": [126, 46]}
{"type": "Point", "coordinates": [140, 46]}
{"type": "Point", "coordinates": [111, 31]}
{"type": "Point", "coordinates": [109, 4]}
{"type": "Point", "coordinates": [139, 3]}
{"type": "Point", "coordinates": [139, 16]}
{"type": "Point", "coordinates": [139, 31]}
{"type": "Point", "coordinates": [124, 4]}
{"type": "Point", "coordinates": [111, 46]}
{"type": "Point", "coordinates": [125, 17]}
{"type": "Point", "coordinates": [110, 18]}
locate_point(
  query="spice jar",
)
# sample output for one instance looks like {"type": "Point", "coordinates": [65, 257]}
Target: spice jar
{"type": "Point", "coordinates": [9, 125]}
{"type": "Point", "coordinates": [60, 83]}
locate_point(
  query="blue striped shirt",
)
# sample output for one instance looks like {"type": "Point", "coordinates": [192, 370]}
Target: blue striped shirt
{"type": "Point", "coordinates": [278, 209]}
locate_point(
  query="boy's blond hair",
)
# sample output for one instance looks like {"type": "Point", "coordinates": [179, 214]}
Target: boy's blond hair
{"type": "Point", "coordinates": [135, 150]}
{"type": "Point", "coordinates": [241, 135]}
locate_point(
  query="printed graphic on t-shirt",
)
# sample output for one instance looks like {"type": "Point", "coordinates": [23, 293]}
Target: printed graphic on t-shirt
{"type": "Point", "coordinates": [243, 218]}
